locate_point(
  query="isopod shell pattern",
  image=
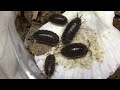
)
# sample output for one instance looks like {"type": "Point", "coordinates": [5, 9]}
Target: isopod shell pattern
{"type": "Point", "coordinates": [46, 37]}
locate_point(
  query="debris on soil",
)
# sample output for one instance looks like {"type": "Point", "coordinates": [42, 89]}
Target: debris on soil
{"type": "Point", "coordinates": [39, 49]}
{"type": "Point", "coordinates": [22, 26]}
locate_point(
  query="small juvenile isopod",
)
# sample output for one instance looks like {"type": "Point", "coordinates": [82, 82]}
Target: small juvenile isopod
{"type": "Point", "coordinates": [71, 30]}
{"type": "Point", "coordinates": [74, 50]}
{"type": "Point", "coordinates": [46, 37]}
{"type": "Point", "coordinates": [58, 19]}
{"type": "Point", "coordinates": [49, 66]}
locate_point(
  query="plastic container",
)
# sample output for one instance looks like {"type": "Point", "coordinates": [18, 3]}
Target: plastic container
{"type": "Point", "coordinates": [15, 61]}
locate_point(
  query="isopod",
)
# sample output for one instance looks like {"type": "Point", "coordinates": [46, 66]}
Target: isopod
{"type": "Point", "coordinates": [58, 19]}
{"type": "Point", "coordinates": [49, 66]}
{"type": "Point", "coordinates": [46, 37]}
{"type": "Point", "coordinates": [74, 50]}
{"type": "Point", "coordinates": [71, 30]}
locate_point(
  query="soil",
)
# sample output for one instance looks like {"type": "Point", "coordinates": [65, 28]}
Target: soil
{"type": "Point", "coordinates": [23, 27]}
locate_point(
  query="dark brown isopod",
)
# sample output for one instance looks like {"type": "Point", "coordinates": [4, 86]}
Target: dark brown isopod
{"type": "Point", "coordinates": [74, 50]}
{"type": "Point", "coordinates": [58, 19]}
{"type": "Point", "coordinates": [46, 37]}
{"type": "Point", "coordinates": [71, 30]}
{"type": "Point", "coordinates": [49, 66]}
